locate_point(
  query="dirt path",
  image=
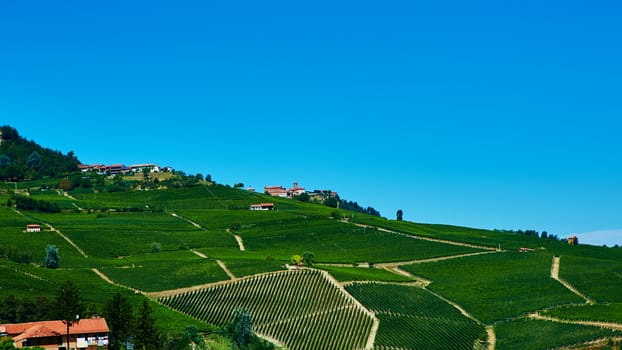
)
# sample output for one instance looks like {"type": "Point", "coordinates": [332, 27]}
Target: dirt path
{"type": "Point", "coordinates": [172, 292]}
{"type": "Point", "coordinates": [423, 261]}
{"type": "Point", "coordinates": [58, 232]}
{"type": "Point", "coordinates": [68, 240]}
{"type": "Point", "coordinates": [555, 275]}
{"type": "Point", "coordinates": [66, 194]}
{"type": "Point", "coordinates": [224, 268]}
{"type": "Point", "coordinates": [371, 339]}
{"type": "Point", "coordinates": [423, 238]}
{"type": "Point", "coordinates": [199, 254]}
{"type": "Point", "coordinates": [492, 337]}
{"type": "Point", "coordinates": [189, 221]}
{"type": "Point", "coordinates": [608, 325]}
{"type": "Point", "coordinates": [240, 242]}
{"type": "Point", "coordinates": [78, 207]}
{"type": "Point", "coordinates": [108, 280]}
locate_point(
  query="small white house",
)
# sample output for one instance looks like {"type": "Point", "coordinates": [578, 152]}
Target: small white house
{"type": "Point", "coordinates": [33, 228]}
{"type": "Point", "coordinates": [262, 206]}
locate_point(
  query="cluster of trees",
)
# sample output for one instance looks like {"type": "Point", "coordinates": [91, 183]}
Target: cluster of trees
{"type": "Point", "coordinates": [27, 203]}
{"type": "Point", "coordinates": [533, 233]}
{"type": "Point", "coordinates": [22, 159]}
{"type": "Point", "coordinates": [336, 202]}
{"type": "Point", "coordinates": [307, 259]}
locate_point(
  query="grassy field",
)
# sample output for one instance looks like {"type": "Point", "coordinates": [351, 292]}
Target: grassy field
{"type": "Point", "coordinates": [346, 274]}
{"type": "Point", "coordinates": [495, 287]}
{"type": "Point", "coordinates": [586, 312]}
{"type": "Point", "coordinates": [153, 272]}
{"type": "Point", "coordinates": [598, 278]}
{"type": "Point", "coordinates": [336, 242]}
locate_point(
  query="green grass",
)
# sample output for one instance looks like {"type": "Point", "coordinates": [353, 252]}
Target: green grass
{"type": "Point", "coordinates": [110, 235]}
{"type": "Point", "coordinates": [413, 318]}
{"type": "Point", "coordinates": [13, 236]}
{"type": "Point", "coordinates": [588, 312]}
{"type": "Point", "coordinates": [600, 279]}
{"type": "Point", "coordinates": [166, 270]}
{"type": "Point", "coordinates": [494, 287]}
{"type": "Point", "coordinates": [345, 274]}
{"type": "Point", "coordinates": [528, 334]}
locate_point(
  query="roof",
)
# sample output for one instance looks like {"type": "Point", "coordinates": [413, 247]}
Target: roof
{"type": "Point", "coordinates": [262, 205]}
{"type": "Point", "coordinates": [41, 329]}
{"type": "Point", "coordinates": [142, 165]}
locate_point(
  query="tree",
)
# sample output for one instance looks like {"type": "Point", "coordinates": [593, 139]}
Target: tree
{"type": "Point", "coordinates": [4, 161]}
{"type": "Point", "coordinates": [52, 258]}
{"type": "Point", "coordinates": [331, 202]}
{"type": "Point", "coordinates": [399, 214]}
{"type": "Point", "coordinates": [34, 161]}
{"type": "Point", "coordinates": [304, 197]}
{"type": "Point", "coordinates": [119, 317]}
{"type": "Point", "coordinates": [68, 305]}
{"type": "Point", "coordinates": [296, 260]}
{"type": "Point", "coordinates": [242, 327]}
{"type": "Point", "coordinates": [146, 334]}
{"type": "Point", "coordinates": [308, 258]}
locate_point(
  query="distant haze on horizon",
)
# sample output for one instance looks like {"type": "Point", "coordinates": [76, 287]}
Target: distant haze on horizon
{"type": "Point", "coordinates": [479, 114]}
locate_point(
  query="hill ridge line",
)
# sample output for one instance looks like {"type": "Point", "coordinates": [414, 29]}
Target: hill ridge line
{"type": "Point", "coordinates": [415, 236]}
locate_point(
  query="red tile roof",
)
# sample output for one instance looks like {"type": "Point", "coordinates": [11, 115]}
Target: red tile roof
{"type": "Point", "coordinates": [20, 331]}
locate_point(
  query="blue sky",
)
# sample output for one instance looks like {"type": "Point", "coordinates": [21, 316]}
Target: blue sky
{"type": "Point", "coordinates": [485, 114]}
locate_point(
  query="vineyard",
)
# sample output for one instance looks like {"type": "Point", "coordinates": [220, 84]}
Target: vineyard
{"type": "Point", "coordinates": [301, 309]}
{"type": "Point", "coordinates": [413, 318]}
{"type": "Point", "coordinates": [519, 334]}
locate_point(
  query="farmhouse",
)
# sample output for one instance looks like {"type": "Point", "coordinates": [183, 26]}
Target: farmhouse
{"type": "Point", "coordinates": [33, 228]}
{"type": "Point", "coordinates": [573, 240]}
{"type": "Point", "coordinates": [115, 168]}
{"type": "Point", "coordinates": [295, 191]}
{"type": "Point", "coordinates": [262, 206]}
{"type": "Point", "coordinates": [90, 333]}
{"type": "Point", "coordinates": [275, 191]}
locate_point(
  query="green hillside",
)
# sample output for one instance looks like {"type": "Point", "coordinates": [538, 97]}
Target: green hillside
{"type": "Point", "coordinates": [196, 252]}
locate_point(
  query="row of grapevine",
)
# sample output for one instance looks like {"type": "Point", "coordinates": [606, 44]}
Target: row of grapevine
{"type": "Point", "coordinates": [429, 333]}
{"type": "Point", "coordinates": [302, 309]}
{"type": "Point", "coordinates": [404, 300]}
{"type": "Point", "coordinates": [413, 318]}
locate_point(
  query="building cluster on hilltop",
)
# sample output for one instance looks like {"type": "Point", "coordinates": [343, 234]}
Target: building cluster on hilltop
{"type": "Point", "coordinates": [280, 191]}
{"type": "Point", "coordinates": [123, 169]}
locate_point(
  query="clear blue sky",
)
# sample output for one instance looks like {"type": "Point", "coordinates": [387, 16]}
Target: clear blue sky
{"type": "Point", "coordinates": [485, 114]}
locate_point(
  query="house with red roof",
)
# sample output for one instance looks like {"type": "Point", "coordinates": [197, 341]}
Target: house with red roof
{"type": "Point", "coordinates": [275, 191]}
{"type": "Point", "coordinates": [262, 206]}
{"type": "Point", "coordinates": [88, 333]}
{"type": "Point", "coordinates": [296, 190]}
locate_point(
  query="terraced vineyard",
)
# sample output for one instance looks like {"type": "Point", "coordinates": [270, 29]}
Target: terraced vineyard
{"type": "Point", "coordinates": [413, 318]}
{"type": "Point", "coordinates": [302, 309]}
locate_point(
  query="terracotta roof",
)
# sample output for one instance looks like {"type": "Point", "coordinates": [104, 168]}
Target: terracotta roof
{"type": "Point", "coordinates": [20, 331]}
{"type": "Point", "coordinates": [263, 205]}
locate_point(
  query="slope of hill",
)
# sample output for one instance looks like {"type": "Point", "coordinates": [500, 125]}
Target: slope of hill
{"type": "Point", "coordinates": [196, 252]}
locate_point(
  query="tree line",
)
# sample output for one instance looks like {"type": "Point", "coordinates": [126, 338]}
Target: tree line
{"type": "Point", "coordinates": [23, 159]}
